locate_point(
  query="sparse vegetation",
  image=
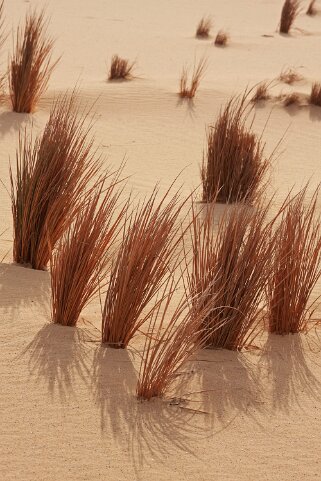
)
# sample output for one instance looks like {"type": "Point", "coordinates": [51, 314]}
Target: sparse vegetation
{"type": "Point", "coordinates": [261, 92]}
{"type": "Point", "coordinates": [30, 67]}
{"type": "Point", "coordinates": [289, 13]}
{"type": "Point", "coordinates": [315, 95]}
{"type": "Point", "coordinates": [189, 92]}
{"type": "Point", "coordinates": [221, 38]}
{"type": "Point", "coordinates": [296, 265]}
{"type": "Point", "coordinates": [289, 76]}
{"type": "Point", "coordinates": [234, 165]}
{"type": "Point", "coordinates": [120, 69]}
{"type": "Point", "coordinates": [204, 27]}
{"type": "Point", "coordinates": [291, 99]}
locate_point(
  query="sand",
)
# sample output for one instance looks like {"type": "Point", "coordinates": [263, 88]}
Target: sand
{"type": "Point", "coordinates": [67, 406]}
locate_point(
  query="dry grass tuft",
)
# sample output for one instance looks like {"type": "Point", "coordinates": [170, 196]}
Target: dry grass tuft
{"type": "Point", "coordinates": [144, 261]}
{"type": "Point", "coordinates": [221, 38]}
{"type": "Point", "coordinates": [120, 69]}
{"type": "Point", "coordinates": [171, 340]}
{"type": "Point", "coordinates": [289, 76]}
{"type": "Point", "coordinates": [234, 166]}
{"type": "Point", "coordinates": [311, 10]}
{"type": "Point", "coordinates": [291, 99]}
{"type": "Point", "coordinates": [296, 266]}
{"type": "Point", "coordinates": [189, 92]}
{"type": "Point", "coordinates": [261, 92]}
{"type": "Point", "coordinates": [315, 95]}
{"type": "Point", "coordinates": [289, 13]}
{"type": "Point", "coordinates": [51, 177]}
{"type": "Point", "coordinates": [230, 265]}
{"type": "Point", "coordinates": [204, 27]}
{"type": "Point", "coordinates": [30, 67]}
{"type": "Point", "coordinates": [79, 263]}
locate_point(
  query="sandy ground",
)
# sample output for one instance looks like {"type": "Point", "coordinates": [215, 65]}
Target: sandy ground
{"type": "Point", "coordinates": [67, 406]}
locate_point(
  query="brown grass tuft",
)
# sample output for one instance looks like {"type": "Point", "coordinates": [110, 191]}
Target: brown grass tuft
{"type": "Point", "coordinates": [189, 92]}
{"type": "Point", "coordinates": [289, 76]}
{"type": "Point", "coordinates": [221, 38]}
{"type": "Point", "coordinates": [296, 266]}
{"type": "Point", "coordinates": [261, 92]}
{"type": "Point", "coordinates": [79, 263]}
{"type": "Point", "coordinates": [140, 268]}
{"type": "Point", "coordinates": [311, 10]}
{"type": "Point", "coordinates": [120, 69]}
{"type": "Point", "coordinates": [315, 95]}
{"type": "Point", "coordinates": [30, 67]}
{"type": "Point", "coordinates": [291, 99]}
{"type": "Point", "coordinates": [230, 265]}
{"type": "Point", "coordinates": [289, 13]}
{"type": "Point", "coordinates": [51, 177]}
{"type": "Point", "coordinates": [204, 27]}
{"type": "Point", "coordinates": [234, 166]}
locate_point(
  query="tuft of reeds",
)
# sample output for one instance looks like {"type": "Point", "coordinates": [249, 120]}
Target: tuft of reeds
{"type": "Point", "coordinates": [221, 38]}
{"type": "Point", "coordinates": [79, 262]}
{"type": "Point", "coordinates": [291, 99]}
{"type": "Point", "coordinates": [311, 10]}
{"type": "Point", "coordinates": [171, 340]}
{"type": "Point", "coordinates": [145, 258]}
{"type": "Point", "coordinates": [234, 166]}
{"type": "Point", "coordinates": [51, 177]}
{"type": "Point", "coordinates": [189, 91]}
{"type": "Point", "coordinates": [290, 11]}
{"type": "Point", "coordinates": [289, 76]}
{"type": "Point", "coordinates": [231, 265]}
{"type": "Point", "coordinates": [30, 67]}
{"type": "Point", "coordinates": [315, 95]}
{"type": "Point", "coordinates": [120, 69]}
{"type": "Point", "coordinates": [296, 265]}
{"type": "Point", "coordinates": [261, 92]}
{"type": "Point", "coordinates": [204, 27]}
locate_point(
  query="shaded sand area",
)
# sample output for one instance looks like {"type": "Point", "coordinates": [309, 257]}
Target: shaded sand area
{"type": "Point", "coordinates": [67, 405]}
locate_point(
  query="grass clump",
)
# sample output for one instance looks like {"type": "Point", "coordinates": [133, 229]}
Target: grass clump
{"type": "Point", "coordinates": [290, 11]}
{"type": "Point", "coordinates": [204, 27]}
{"type": "Point", "coordinates": [261, 92]}
{"type": "Point", "coordinates": [315, 95]}
{"type": "Point", "coordinates": [289, 76]}
{"type": "Point", "coordinates": [311, 10]}
{"type": "Point", "coordinates": [291, 99]}
{"type": "Point", "coordinates": [120, 69]}
{"type": "Point", "coordinates": [221, 38]}
{"type": "Point", "coordinates": [189, 91]}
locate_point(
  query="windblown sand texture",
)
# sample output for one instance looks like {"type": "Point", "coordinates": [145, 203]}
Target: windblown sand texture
{"type": "Point", "coordinates": [68, 409]}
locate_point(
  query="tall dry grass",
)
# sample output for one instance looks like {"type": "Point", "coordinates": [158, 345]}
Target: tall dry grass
{"type": "Point", "coordinates": [315, 95]}
{"type": "Point", "coordinates": [146, 257]}
{"type": "Point", "coordinates": [49, 181]}
{"type": "Point", "coordinates": [171, 340]}
{"type": "Point", "coordinates": [78, 264]}
{"type": "Point", "coordinates": [230, 265]}
{"type": "Point", "coordinates": [296, 265]}
{"type": "Point", "coordinates": [186, 89]}
{"type": "Point", "coordinates": [234, 166]}
{"type": "Point", "coordinates": [290, 10]}
{"type": "Point", "coordinates": [120, 69]}
{"type": "Point", "coordinates": [204, 27]}
{"type": "Point", "coordinates": [31, 64]}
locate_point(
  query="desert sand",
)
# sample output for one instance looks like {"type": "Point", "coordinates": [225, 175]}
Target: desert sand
{"type": "Point", "coordinates": [68, 409]}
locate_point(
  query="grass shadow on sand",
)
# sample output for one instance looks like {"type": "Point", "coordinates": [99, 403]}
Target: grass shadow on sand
{"type": "Point", "coordinates": [58, 356]}
{"type": "Point", "coordinates": [13, 122]}
{"type": "Point", "coordinates": [285, 365]}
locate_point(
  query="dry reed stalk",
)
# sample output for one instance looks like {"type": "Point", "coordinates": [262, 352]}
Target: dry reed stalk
{"type": "Point", "coordinates": [146, 256]}
{"type": "Point", "coordinates": [296, 265]}
{"type": "Point", "coordinates": [204, 27]}
{"type": "Point", "coordinates": [315, 95]}
{"type": "Point", "coordinates": [221, 38]}
{"type": "Point", "coordinates": [261, 92]}
{"type": "Point", "coordinates": [51, 177]}
{"type": "Point", "coordinates": [120, 69]}
{"type": "Point", "coordinates": [291, 99]}
{"type": "Point", "coordinates": [290, 11]}
{"type": "Point", "coordinates": [80, 260]}
{"type": "Point", "coordinates": [311, 10]}
{"type": "Point", "coordinates": [189, 92]}
{"type": "Point", "coordinates": [171, 340]}
{"type": "Point", "coordinates": [232, 267]}
{"type": "Point", "coordinates": [234, 165]}
{"type": "Point", "coordinates": [289, 76]}
{"type": "Point", "coordinates": [30, 66]}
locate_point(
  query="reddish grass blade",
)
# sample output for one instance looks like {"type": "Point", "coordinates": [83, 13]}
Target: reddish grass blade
{"type": "Point", "coordinates": [30, 67]}
{"type": "Point", "coordinates": [296, 266]}
{"type": "Point", "coordinates": [52, 175]}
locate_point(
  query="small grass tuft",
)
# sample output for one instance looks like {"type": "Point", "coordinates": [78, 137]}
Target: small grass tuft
{"type": "Point", "coordinates": [289, 76]}
{"type": "Point", "coordinates": [204, 27]}
{"type": "Point", "coordinates": [221, 39]}
{"type": "Point", "coordinates": [261, 93]}
{"type": "Point", "coordinates": [315, 95]}
{"type": "Point", "coordinates": [290, 11]}
{"type": "Point", "coordinates": [120, 69]}
{"type": "Point", "coordinates": [189, 92]}
{"type": "Point", "coordinates": [291, 99]}
{"type": "Point", "coordinates": [311, 10]}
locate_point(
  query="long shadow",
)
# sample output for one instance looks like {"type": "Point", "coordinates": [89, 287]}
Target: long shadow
{"type": "Point", "coordinates": [58, 356]}
{"type": "Point", "coordinates": [315, 113]}
{"type": "Point", "coordinates": [284, 363]}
